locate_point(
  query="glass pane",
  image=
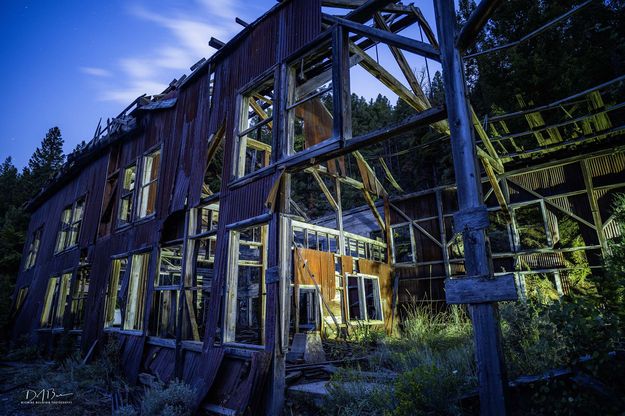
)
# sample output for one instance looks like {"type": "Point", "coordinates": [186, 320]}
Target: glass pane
{"type": "Point", "coordinates": [151, 164]}
{"type": "Point", "coordinates": [147, 204]}
{"type": "Point", "coordinates": [129, 178]}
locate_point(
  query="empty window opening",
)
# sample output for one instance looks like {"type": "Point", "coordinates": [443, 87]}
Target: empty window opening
{"type": "Point", "coordinates": [309, 317]}
{"type": "Point", "coordinates": [246, 290]}
{"type": "Point", "coordinates": [255, 130]}
{"type": "Point", "coordinates": [403, 243]}
{"type": "Point", "coordinates": [165, 298]}
{"type": "Point", "coordinates": [530, 225]}
{"type": "Point", "coordinates": [71, 220]}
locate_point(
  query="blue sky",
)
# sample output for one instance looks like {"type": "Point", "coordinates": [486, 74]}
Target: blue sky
{"type": "Point", "coordinates": [67, 63]}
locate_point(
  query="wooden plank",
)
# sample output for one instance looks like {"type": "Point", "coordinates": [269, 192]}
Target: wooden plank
{"type": "Point", "coordinates": [594, 206]}
{"type": "Point", "coordinates": [496, 188]}
{"type": "Point", "coordinates": [480, 289]}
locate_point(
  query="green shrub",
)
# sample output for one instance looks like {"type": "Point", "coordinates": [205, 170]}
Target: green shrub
{"type": "Point", "coordinates": [175, 399]}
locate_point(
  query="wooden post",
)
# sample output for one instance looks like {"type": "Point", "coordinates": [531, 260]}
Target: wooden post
{"type": "Point", "coordinates": [185, 269]}
{"type": "Point", "coordinates": [487, 332]}
{"type": "Point", "coordinates": [594, 206]}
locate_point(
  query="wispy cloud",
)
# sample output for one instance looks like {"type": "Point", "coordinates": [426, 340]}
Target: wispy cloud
{"type": "Point", "coordinates": [187, 31]}
{"type": "Point", "coordinates": [96, 72]}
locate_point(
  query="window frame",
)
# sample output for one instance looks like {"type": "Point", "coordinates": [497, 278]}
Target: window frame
{"type": "Point", "coordinates": [231, 311]}
{"type": "Point", "coordinates": [146, 186]}
{"type": "Point", "coordinates": [55, 301]}
{"type": "Point", "coordinates": [66, 229]}
{"type": "Point", "coordinates": [362, 299]}
{"type": "Point", "coordinates": [242, 130]}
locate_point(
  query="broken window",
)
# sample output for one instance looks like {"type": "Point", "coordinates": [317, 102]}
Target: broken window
{"type": "Point", "coordinates": [124, 215]}
{"type": "Point", "coordinates": [113, 312]}
{"type": "Point", "coordinates": [79, 297]}
{"type": "Point", "coordinates": [197, 289]}
{"type": "Point", "coordinates": [33, 249]}
{"type": "Point", "coordinates": [309, 106]}
{"type": "Point", "coordinates": [214, 164]}
{"type": "Point", "coordinates": [135, 300]}
{"type": "Point", "coordinates": [149, 184]}
{"type": "Point", "coordinates": [245, 307]}
{"type": "Point", "coordinates": [165, 298]}
{"type": "Point", "coordinates": [255, 130]}
{"type": "Point", "coordinates": [19, 300]}
{"type": "Point", "coordinates": [55, 300]}
{"type": "Point", "coordinates": [71, 220]}
{"type": "Point", "coordinates": [364, 299]}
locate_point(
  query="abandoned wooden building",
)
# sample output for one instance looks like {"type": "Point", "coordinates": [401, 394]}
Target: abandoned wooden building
{"type": "Point", "coordinates": [185, 231]}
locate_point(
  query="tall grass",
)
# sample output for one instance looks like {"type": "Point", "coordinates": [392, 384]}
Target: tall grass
{"type": "Point", "coordinates": [426, 369]}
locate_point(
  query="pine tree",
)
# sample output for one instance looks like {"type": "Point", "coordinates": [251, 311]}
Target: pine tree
{"type": "Point", "coordinates": [45, 162]}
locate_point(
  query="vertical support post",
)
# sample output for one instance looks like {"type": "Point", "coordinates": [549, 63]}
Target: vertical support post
{"type": "Point", "coordinates": [442, 231]}
{"type": "Point", "coordinates": [342, 107]}
{"type": "Point", "coordinates": [485, 316]}
{"type": "Point", "coordinates": [594, 207]}
{"type": "Point", "coordinates": [339, 217]}
{"type": "Point", "coordinates": [185, 269]}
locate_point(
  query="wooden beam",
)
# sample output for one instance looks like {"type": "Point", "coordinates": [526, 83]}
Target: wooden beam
{"type": "Point", "coordinates": [480, 289]}
{"type": "Point", "coordinates": [425, 26]}
{"type": "Point", "coordinates": [374, 210]}
{"type": "Point", "coordinates": [485, 317]}
{"type": "Point", "coordinates": [216, 43]}
{"type": "Point", "coordinates": [404, 66]}
{"type": "Point", "coordinates": [353, 4]}
{"type": "Point", "coordinates": [408, 44]}
{"type": "Point", "coordinates": [414, 223]}
{"type": "Point", "coordinates": [340, 74]}
{"type": "Point", "coordinates": [364, 12]}
{"type": "Point", "coordinates": [241, 22]}
{"type": "Point", "coordinates": [496, 188]}
{"type": "Point", "coordinates": [551, 204]}
{"type": "Point", "coordinates": [475, 23]}
{"type": "Point", "coordinates": [386, 78]}
{"type": "Point", "coordinates": [325, 190]}
{"type": "Point", "coordinates": [594, 207]}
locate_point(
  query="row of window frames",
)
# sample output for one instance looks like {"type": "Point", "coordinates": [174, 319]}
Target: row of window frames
{"type": "Point", "coordinates": [317, 240]}
{"type": "Point", "coordinates": [363, 297]}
